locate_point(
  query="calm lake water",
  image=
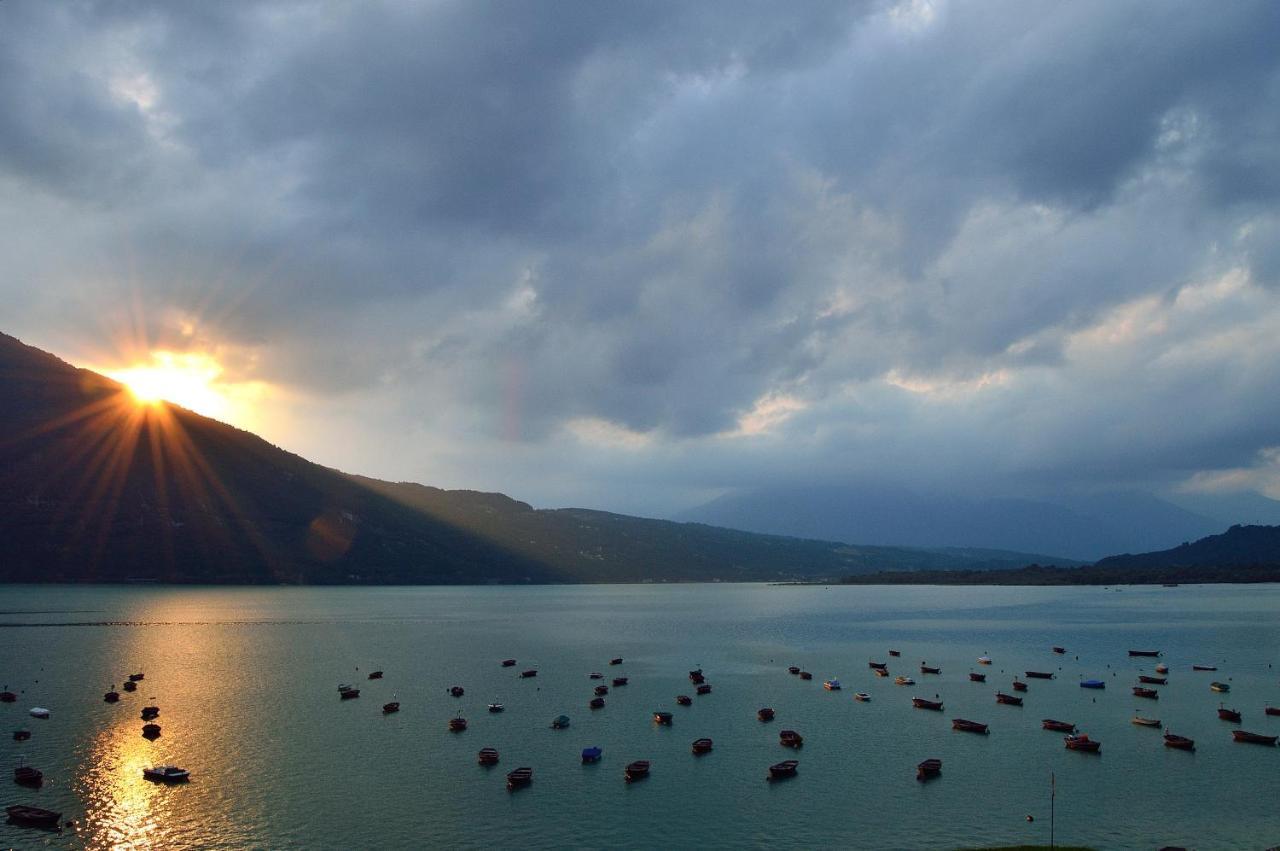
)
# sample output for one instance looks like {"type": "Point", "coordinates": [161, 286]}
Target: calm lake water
{"type": "Point", "coordinates": [247, 678]}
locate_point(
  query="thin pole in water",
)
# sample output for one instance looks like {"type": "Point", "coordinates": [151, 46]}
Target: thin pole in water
{"type": "Point", "coordinates": [1053, 792]}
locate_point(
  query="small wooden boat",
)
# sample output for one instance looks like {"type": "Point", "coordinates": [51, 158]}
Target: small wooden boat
{"type": "Point", "coordinates": [1148, 693]}
{"type": "Point", "coordinates": [601, 691]}
{"type": "Point", "coordinates": [457, 691]}
{"type": "Point", "coordinates": [1093, 684]}
{"type": "Point", "coordinates": [880, 666]}
{"type": "Point", "coordinates": [695, 673]}
{"type": "Point", "coordinates": [1162, 668]}
{"type": "Point", "coordinates": [968, 726]}
{"type": "Point", "coordinates": [662, 717]}
{"type": "Point", "coordinates": [684, 700]}
{"type": "Point", "coordinates": [701, 746]}
{"type": "Point", "coordinates": [457, 725]}
{"type": "Point", "coordinates": [831, 685]}
{"type": "Point", "coordinates": [1272, 710]}
{"type": "Point", "coordinates": [389, 708]}
{"type": "Point", "coordinates": [765, 713]}
{"type": "Point", "coordinates": [794, 669]}
{"type": "Point", "coordinates": [595, 675]}
{"type": "Point", "coordinates": [619, 681]}
{"type": "Point", "coordinates": [637, 770]}
{"type": "Point", "coordinates": [805, 675]}
{"type": "Point", "coordinates": [151, 731]}
{"type": "Point", "coordinates": [1204, 667]}
{"type": "Point", "coordinates": [21, 735]}
{"type": "Point", "coordinates": [1253, 738]}
{"type": "Point", "coordinates": [882, 672]}
{"type": "Point", "coordinates": [984, 660]}
{"type": "Point", "coordinates": [705, 688]}
{"type": "Point", "coordinates": [526, 674]}
{"type": "Point", "coordinates": [149, 712]}
{"type": "Point", "coordinates": [561, 722]}
{"type": "Point", "coordinates": [1181, 743]}
{"type": "Point", "coordinates": [1219, 687]}
{"type": "Point", "coordinates": [348, 692]}
{"type": "Point", "coordinates": [25, 775]}
{"type": "Point", "coordinates": [1059, 650]}
{"type": "Point", "coordinates": [1082, 742]}
{"type": "Point", "coordinates": [929, 768]}
{"type": "Point", "coordinates": [617, 660]}
{"type": "Point", "coordinates": [784, 769]}
{"type": "Point", "coordinates": [375, 675]}
{"type": "Point", "coordinates": [111, 696]}
{"type": "Point", "coordinates": [38, 712]}
{"type": "Point", "coordinates": [862, 696]}
{"type": "Point", "coordinates": [137, 678]}
{"type": "Point", "coordinates": [596, 703]}
{"type": "Point", "coordinates": [977, 678]}
{"type": "Point", "coordinates": [1008, 699]}
{"type": "Point", "coordinates": [1228, 714]}
{"type": "Point", "coordinates": [929, 669]}
{"type": "Point", "coordinates": [1019, 685]}
{"type": "Point", "coordinates": [1144, 652]}
{"type": "Point", "coordinates": [925, 703]}
{"type": "Point", "coordinates": [698, 679]}
{"type": "Point", "coordinates": [1059, 726]}
{"type": "Point", "coordinates": [166, 774]}
{"type": "Point", "coordinates": [903, 681]}
{"type": "Point", "coordinates": [790, 739]}
{"type": "Point", "coordinates": [508, 663]}
{"type": "Point", "coordinates": [591, 754]}
{"type": "Point", "coordinates": [130, 685]}
{"type": "Point", "coordinates": [895, 653]}
{"type": "Point", "coordinates": [1039, 675]}
{"type": "Point", "coordinates": [9, 697]}
{"type": "Point", "coordinates": [519, 777]}
{"type": "Point", "coordinates": [487, 756]}
{"type": "Point", "coordinates": [33, 816]}
{"type": "Point", "coordinates": [1155, 681]}
{"type": "Point", "coordinates": [497, 707]}
{"type": "Point", "coordinates": [1146, 722]}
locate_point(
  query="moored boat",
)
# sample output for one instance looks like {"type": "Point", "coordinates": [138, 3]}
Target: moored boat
{"type": "Point", "coordinates": [1148, 693]}
{"type": "Point", "coordinates": [616, 660]}
{"type": "Point", "coordinates": [33, 816]}
{"type": "Point", "coordinates": [786, 768]}
{"type": "Point", "coordinates": [764, 713]}
{"type": "Point", "coordinates": [596, 703]}
{"type": "Point", "coordinates": [1253, 738]}
{"type": "Point", "coordinates": [1008, 699]}
{"type": "Point", "coordinates": [619, 681]}
{"type": "Point", "coordinates": [903, 681]}
{"type": "Point", "coordinates": [130, 685]}
{"type": "Point", "coordinates": [831, 685]}
{"type": "Point", "coordinates": [1155, 681]}
{"type": "Point", "coordinates": [695, 674]}
{"type": "Point", "coordinates": [1059, 650]}
{"type": "Point", "coordinates": [346, 692]}
{"type": "Point", "coordinates": [111, 696]}
{"type": "Point", "coordinates": [1144, 652]}
{"type": "Point", "coordinates": [595, 675]}
{"type": "Point", "coordinates": [1181, 743]}
{"type": "Point", "coordinates": [149, 712]}
{"type": "Point", "coordinates": [7, 696]}
{"type": "Point", "coordinates": [925, 703]}
{"type": "Point", "coordinates": [805, 675]}
{"type": "Point", "coordinates": [984, 660]}
{"type": "Point", "coordinates": [529, 672]}
{"type": "Point", "coordinates": [518, 777]}
{"type": "Point", "coordinates": [591, 754]}
{"type": "Point", "coordinates": [794, 669]}
{"type": "Point", "coordinates": [1228, 714]}
{"type": "Point", "coordinates": [1082, 742]}
{"type": "Point", "coordinates": [684, 700]}
{"type": "Point", "coordinates": [137, 678]}
{"type": "Point", "coordinates": [977, 678]}
{"type": "Point", "coordinates": [1204, 667]}
{"type": "Point", "coordinates": [882, 672]}
{"type": "Point", "coordinates": [637, 770]}
{"type": "Point", "coordinates": [601, 691]}
{"type": "Point", "coordinates": [790, 739]}
{"type": "Point", "coordinates": [1093, 684]}
{"type": "Point", "coordinates": [1146, 722]}
{"type": "Point", "coordinates": [25, 775]}
{"type": "Point", "coordinates": [1059, 726]}
{"type": "Point", "coordinates": [1162, 668]}
{"type": "Point", "coordinates": [1219, 687]}
{"type": "Point", "coordinates": [496, 707]}
{"type": "Point", "coordinates": [704, 688]}
{"type": "Point", "coordinates": [560, 722]}
{"type": "Point", "coordinates": [166, 774]}
{"type": "Point", "coordinates": [662, 717]}
{"type": "Point", "coordinates": [1272, 710]}
{"type": "Point", "coordinates": [1039, 675]}
{"type": "Point", "coordinates": [151, 731]}
{"type": "Point", "coordinates": [508, 663]}
{"type": "Point", "coordinates": [895, 652]}
{"type": "Point", "coordinates": [862, 696]}
{"type": "Point", "coordinates": [701, 746]}
{"type": "Point", "coordinates": [929, 669]}
{"type": "Point", "coordinates": [1019, 685]}
{"type": "Point", "coordinates": [457, 725]}
{"type": "Point", "coordinates": [38, 712]}
{"type": "Point", "coordinates": [21, 735]}
{"type": "Point", "coordinates": [881, 666]}
{"type": "Point", "coordinates": [375, 675]}
{"type": "Point", "coordinates": [457, 691]}
{"type": "Point", "coordinates": [392, 707]}
{"type": "Point", "coordinates": [487, 756]}
{"type": "Point", "coordinates": [929, 768]}
{"type": "Point", "coordinates": [968, 726]}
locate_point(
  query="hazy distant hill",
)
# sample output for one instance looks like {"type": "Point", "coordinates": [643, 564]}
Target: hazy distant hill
{"type": "Point", "coordinates": [93, 488]}
{"type": "Point", "coordinates": [1239, 546]}
{"type": "Point", "coordinates": [878, 513]}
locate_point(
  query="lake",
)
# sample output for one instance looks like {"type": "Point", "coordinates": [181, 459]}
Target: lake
{"type": "Point", "coordinates": [246, 679]}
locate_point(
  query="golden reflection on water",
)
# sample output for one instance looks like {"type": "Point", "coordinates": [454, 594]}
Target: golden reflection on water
{"type": "Point", "coordinates": [122, 810]}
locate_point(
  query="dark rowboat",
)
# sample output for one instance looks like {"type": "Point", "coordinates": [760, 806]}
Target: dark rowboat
{"type": "Point", "coordinates": [21, 735]}
{"type": "Point", "coordinates": [1039, 675]}
{"type": "Point", "coordinates": [701, 746]}
{"type": "Point", "coordinates": [348, 693]}
{"type": "Point", "coordinates": [33, 816]}
{"type": "Point", "coordinates": [895, 652]}
{"type": "Point", "coordinates": [696, 672]}
{"type": "Point", "coordinates": [25, 775]}
{"type": "Point", "coordinates": [596, 703]}
{"type": "Point", "coordinates": [149, 712]}
{"type": "Point", "coordinates": [928, 669]}
{"type": "Point", "coordinates": [924, 703]}
{"type": "Point", "coordinates": [508, 663]}
{"type": "Point", "coordinates": [805, 675]}
{"type": "Point", "coordinates": [662, 718]}
{"type": "Point", "coordinates": [1144, 652]}
{"type": "Point", "coordinates": [1059, 650]}
{"type": "Point", "coordinates": [457, 725]}
{"type": "Point", "coordinates": [111, 696]}
{"type": "Point", "coordinates": [793, 669]}
{"type": "Point", "coordinates": [928, 768]}
{"type": "Point", "coordinates": [457, 691]}
{"type": "Point", "coordinates": [977, 678]}
{"type": "Point", "coordinates": [375, 675]}
{"type": "Point", "coordinates": [878, 665]}
{"type": "Point", "coordinates": [519, 777]}
{"type": "Point", "coordinates": [1253, 738]}
{"type": "Point", "coordinates": [1019, 685]}
{"type": "Point", "coordinates": [1155, 681]}
{"type": "Point", "coordinates": [968, 726]}
{"type": "Point", "coordinates": [487, 756]}
{"type": "Point", "coordinates": [697, 679]}
{"type": "Point", "coordinates": [616, 660]}
{"type": "Point", "coordinates": [151, 731]}
{"type": "Point", "coordinates": [595, 675]}
{"type": "Point", "coordinates": [388, 708]}
{"type": "Point", "coordinates": [684, 700]}
{"type": "Point", "coordinates": [1145, 722]}
{"type": "Point", "coordinates": [1181, 743]}
{"type": "Point", "coordinates": [1272, 710]}
{"type": "Point", "coordinates": [764, 714]}
{"type": "Point", "coordinates": [1082, 742]}
{"type": "Point", "coordinates": [637, 770]}
{"type": "Point", "coordinates": [9, 697]}
{"type": "Point", "coordinates": [1229, 714]}
{"type": "Point", "coordinates": [130, 685]}
{"type": "Point", "coordinates": [1059, 726]}
{"type": "Point", "coordinates": [619, 681]}
{"type": "Point", "coordinates": [591, 754]}
{"type": "Point", "coordinates": [1149, 693]}
{"type": "Point", "coordinates": [705, 688]}
{"type": "Point", "coordinates": [601, 691]}
{"type": "Point", "coordinates": [786, 768]}
{"type": "Point", "coordinates": [1204, 667]}
{"type": "Point", "coordinates": [1008, 699]}
{"type": "Point", "coordinates": [790, 739]}
{"type": "Point", "coordinates": [137, 677]}
{"type": "Point", "coordinates": [532, 672]}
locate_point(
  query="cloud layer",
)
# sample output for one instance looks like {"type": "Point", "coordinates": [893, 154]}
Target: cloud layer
{"type": "Point", "coordinates": [629, 255]}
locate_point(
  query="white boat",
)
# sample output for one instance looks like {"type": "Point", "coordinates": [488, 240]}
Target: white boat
{"type": "Point", "coordinates": [984, 660]}
{"type": "Point", "coordinates": [904, 681]}
{"type": "Point", "coordinates": [39, 712]}
{"type": "Point", "coordinates": [166, 773]}
{"type": "Point", "coordinates": [831, 685]}
{"type": "Point", "coordinates": [862, 696]}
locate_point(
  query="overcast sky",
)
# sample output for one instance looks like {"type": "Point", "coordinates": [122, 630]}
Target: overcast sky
{"type": "Point", "coordinates": [629, 255]}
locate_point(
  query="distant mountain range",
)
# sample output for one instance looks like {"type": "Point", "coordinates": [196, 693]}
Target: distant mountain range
{"type": "Point", "coordinates": [94, 487]}
{"type": "Point", "coordinates": [1085, 528]}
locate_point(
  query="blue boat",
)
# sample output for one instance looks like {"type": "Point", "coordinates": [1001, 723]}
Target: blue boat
{"type": "Point", "coordinates": [1092, 684]}
{"type": "Point", "coordinates": [591, 754]}
{"type": "Point", "coordinates": [561, 722]}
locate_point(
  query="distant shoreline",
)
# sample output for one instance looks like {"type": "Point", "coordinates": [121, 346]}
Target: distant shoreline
{"type": "Point", "coordinates": [1057, 576]}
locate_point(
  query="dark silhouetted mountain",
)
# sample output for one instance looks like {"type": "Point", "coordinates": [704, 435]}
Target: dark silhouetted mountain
{"type": "Point", "coordinates": [1239, 546]}
{"type": "Point", "coordinates": [95, 487]}
{"type": "Point", "coordinates": [885, 515]}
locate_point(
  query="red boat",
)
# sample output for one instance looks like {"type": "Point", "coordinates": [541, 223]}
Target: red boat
{"type": "Point", "coordinates": [1008, 699]}
{"type": "Point", "coordinates": [705, 688]}
{"type": "Point", "coordinates": [701, 746]}
{"type": "Point", "coordinates": [1229, 714]}
{"type": "Point", "coordinates": [684, 699]}
{"type": "Point", "coordinates": [1182, 743]}
{"type": "Point", "coordinates": [458, 724]}
{"type": "Point", "coordinates": [601, 691]}
{"type": "Point", "coordinates": [1082, 742]}
{"type": "Point", "coordinates": [619, 681]}
{"type": "Point", "coordinates": [926, 669]}
{"type": "Point", "coordinates": [1155, 681]}
{"type": "Point", "coordinates": [764, 713]}
{"type": "Point", "coordinates": [790, 739]}
{"type": "Point", "coordinates": [968, 726]}
{"type": "Point", "coordinates": [924, 703]}
{"type": "Point", "coordinates": [9, 697]}
{"type": "Point", "coordinates": [1059, 726]}
{"type": "Point", "coordinates": [1019, 685]}
{"type": "Point", "coordinates": [1059, 650]}
{"type": "Point", "coordinates": [596, 703]}
{"type": "Point", "coordinates": [697, 679]}
{"type": "Point", "coordinates": [1149, 693]}
{"type": "Point", "coordinates": [637, 770]}
{"type": "Point", "coordinates": [786, 768]}
{"type": "Point", "coordinates": [487, 756]}
{"type": "Point", "coordinates": [977, 678]}
{"type": "Point", "coordinates": [1273, 710]}
{"type": "Point", "coordinates": [928, 768]}
{"type": "Point", "coordinates": [1252, 738]}
{"type": "Point", "coordinates": [519, 777]}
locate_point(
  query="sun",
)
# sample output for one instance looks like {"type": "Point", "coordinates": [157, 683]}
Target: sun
{"type": "Point", "coordinates": [186, 379]}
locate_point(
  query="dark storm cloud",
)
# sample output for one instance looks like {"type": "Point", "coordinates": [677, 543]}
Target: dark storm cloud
{"type": "Point", "coordinates": [701, 244]}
